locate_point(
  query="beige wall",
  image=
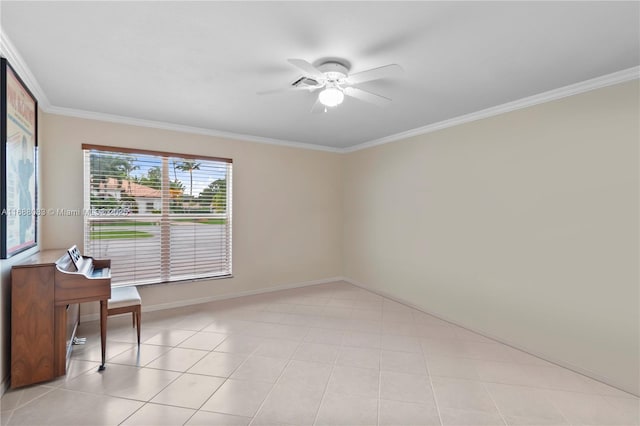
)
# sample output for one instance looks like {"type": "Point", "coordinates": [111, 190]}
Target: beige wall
{"type": "Point", "coordinates": [523, 226]}
{"type": "Point", "coordinates": [287, 211]}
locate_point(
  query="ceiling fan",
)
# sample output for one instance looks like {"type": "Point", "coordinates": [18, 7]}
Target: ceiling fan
{"type": "Point", "coordinates": [333, 80]}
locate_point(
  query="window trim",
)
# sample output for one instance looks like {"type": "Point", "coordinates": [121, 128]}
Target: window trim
{"type": "Point", "coordinates": [118, 149]}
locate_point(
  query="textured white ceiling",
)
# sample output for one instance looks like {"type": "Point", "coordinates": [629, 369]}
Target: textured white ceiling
{"type": "Point", "coordinates": [200, 64]}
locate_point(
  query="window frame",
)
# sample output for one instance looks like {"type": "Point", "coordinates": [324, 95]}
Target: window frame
{"type": "Point", "coordinates": [165, 277]}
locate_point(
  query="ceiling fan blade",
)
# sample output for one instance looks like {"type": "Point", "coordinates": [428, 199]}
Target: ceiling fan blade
{"type": "Point", "coordinates": [283, 89]}
{"type": "Point", "coordinates": [318, 108]}
{"type": "Point", "coordinates": [309, 70]}
{"type": "Point", "coordinates": [375, 73]}
{"type": "Point", "coordinates": [366, 96]}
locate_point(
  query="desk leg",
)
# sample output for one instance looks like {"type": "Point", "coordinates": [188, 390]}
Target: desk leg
{"type": "Point", "coordinates": [103, 331]}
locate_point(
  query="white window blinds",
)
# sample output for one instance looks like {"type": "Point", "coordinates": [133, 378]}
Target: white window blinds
{"type": "Point", "coordinates": [159, 217]}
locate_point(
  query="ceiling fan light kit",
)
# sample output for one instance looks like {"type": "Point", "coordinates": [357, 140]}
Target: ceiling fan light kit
{"type": "Point", "coordinates": [331, 96]}
{"type": "Point", "coordinates": [334, 82]}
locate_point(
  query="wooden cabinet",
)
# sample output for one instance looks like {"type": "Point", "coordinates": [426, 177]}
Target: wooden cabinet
{"type": "Point", "coordinates": [45, 314]}
{"type": "Point", "coordinates": [32, 320]}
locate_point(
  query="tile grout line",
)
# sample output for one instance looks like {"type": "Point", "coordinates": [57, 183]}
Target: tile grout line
{"type": "Point", "coordinates": [134, 412]}
{"type": "Point", "coordinates": [433, 390]}
{"type": "Point", "coordinates": [557, 407]}
{"type": "Point", "coordinates": [520, 384]}
{"type": "Point", "coordinates": [186, 371]}
{"type": "Point", "coordinates": [637, 420]}
{"type": "Point", "coordinates": [225, 378]}
{"type": "Point", "coordinates": [21, 404]}
{"type": "Point", "coordinates": [486, 389]}
{"type": "Point", "coordinates": [145, 403]}
{"type": "Point", "coordinates": [157, 393]}
{"type": "Point", "coordinates": [326, 387]}
{"type": "Point", "coordinates": [10, 415]}
{"type": "Point", "coordinates": [333, 367]}
{"type": "Point", "coordinates": [96, 394]}
{"type": "Point", "coordinates": [379, 385]}
{"type": "Point", "coordinates": [380, 361]}
{"type": "Point", "coordinates": [279, 375]}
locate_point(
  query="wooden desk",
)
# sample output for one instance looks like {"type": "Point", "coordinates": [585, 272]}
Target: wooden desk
{"type": "Point", "coordinates": [45, 294]}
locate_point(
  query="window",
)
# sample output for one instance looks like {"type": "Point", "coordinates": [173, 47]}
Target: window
{"type": "Point", "coordinates": [159, 217]}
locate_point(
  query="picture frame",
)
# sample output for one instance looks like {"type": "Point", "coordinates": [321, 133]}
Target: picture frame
{"type": "Point", "coordinates": [18, 164]}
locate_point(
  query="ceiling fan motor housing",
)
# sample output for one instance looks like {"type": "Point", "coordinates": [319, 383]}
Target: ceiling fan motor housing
{"type": "Point", "coordinates": [334, 70]}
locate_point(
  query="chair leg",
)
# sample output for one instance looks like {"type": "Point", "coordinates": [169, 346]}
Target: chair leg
{"type": "Point", "coordinates": [138, 315]}
{"type": "Point", "coordinates": [133, 318]}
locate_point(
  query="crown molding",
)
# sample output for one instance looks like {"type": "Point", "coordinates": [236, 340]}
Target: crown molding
{"type": "Point", "coordinates": [8, 51]}
{"type": "Point", "coordinates": [552, 95]}
{"type": "Point", "coordinates": [99, 116]}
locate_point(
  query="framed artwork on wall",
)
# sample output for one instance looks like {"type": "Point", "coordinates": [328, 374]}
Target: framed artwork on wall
{"type": "Point", "coordinates": [18, 164]}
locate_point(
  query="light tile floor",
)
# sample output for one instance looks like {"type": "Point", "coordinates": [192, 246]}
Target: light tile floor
{"type": "Point", "coordinates": [329, 354]}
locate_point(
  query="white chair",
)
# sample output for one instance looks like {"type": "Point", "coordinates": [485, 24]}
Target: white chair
{"type": "Point", "coordinates": [124, 300]}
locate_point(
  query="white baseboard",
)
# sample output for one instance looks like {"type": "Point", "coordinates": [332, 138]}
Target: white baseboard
{"type": "Point", "coordinates": [561, 363]}
{"type": "Point", "coordinates": [188, 302]}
